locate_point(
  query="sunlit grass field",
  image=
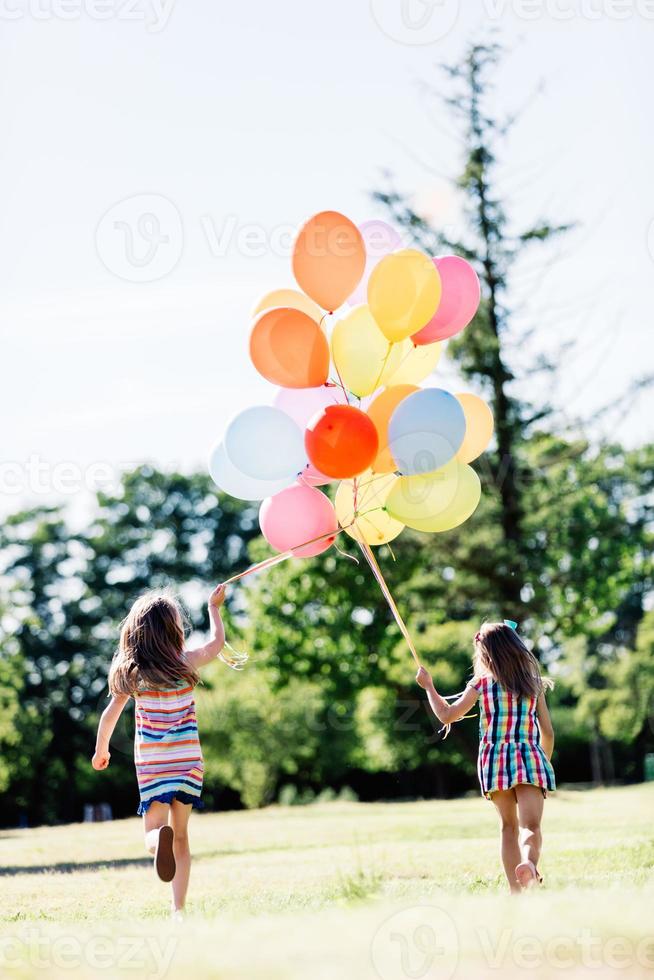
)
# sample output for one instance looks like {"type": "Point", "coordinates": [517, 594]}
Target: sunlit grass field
{"type": "Point", "coordinates": [338, 890]}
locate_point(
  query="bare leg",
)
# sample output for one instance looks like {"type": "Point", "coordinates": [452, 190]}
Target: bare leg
{"type": "Point", "coordinates": [505, 803]}
{"type": "Point", "coordinates": [530, 814]}
{"type": "Point", "coordinates": [179, 818]}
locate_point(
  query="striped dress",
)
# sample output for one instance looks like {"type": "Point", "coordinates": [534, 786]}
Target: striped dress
{"type": "Point", "coordinates": [510, 752]}
{"type": "Point", "coordinates": [167, 749]}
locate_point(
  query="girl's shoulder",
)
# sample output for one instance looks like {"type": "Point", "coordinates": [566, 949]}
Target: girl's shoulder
{"type": "Point", "coordinates": [479, 681]}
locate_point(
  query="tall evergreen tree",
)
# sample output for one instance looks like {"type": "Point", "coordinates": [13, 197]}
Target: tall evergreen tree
{"type": "Point", "coordinates": [481, 352]}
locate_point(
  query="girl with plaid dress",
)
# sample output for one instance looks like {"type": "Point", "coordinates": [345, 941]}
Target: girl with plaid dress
{"type": "Point", "coordinates": [516, 739]}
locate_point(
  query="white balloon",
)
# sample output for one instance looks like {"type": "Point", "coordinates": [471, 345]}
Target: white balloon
{"type": "Point", "coordinates": [264, 443]}
{"type": "Point", "coordinates": [226, 476]}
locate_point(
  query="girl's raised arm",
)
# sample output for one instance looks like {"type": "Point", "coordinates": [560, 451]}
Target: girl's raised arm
{"type": "Point", "coordinates": [446, 713]}
{"type": "Point", "coordinates": [108, 722]}
{"type": "Point", "coordinates": [205, 654]}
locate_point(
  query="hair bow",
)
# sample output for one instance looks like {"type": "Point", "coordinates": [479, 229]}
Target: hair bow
{"type": "Point", "coordinates": [511, 624]}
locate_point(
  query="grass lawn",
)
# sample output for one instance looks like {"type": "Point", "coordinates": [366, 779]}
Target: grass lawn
{"type": "Point", "coordinates": [341, 890]}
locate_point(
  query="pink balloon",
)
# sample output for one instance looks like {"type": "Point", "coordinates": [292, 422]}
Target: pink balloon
{"type": "Point", "coordinates": [380, 239]}
{"type": "Point", "coordinates": [303, 403]}
{"type": "Point", "coordinates": [459, 300]}
{"type": "Point", "coordinates": [295, 515]}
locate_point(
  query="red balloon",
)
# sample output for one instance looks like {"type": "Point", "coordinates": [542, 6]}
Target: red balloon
{"type": "Point", "coordinates": [341, 441]}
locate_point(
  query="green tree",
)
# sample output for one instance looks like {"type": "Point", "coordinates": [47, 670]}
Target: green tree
{"type": "Point", "coordinates": [68, 592]}
{"type": "Point", "coordinates": [255, 737]}
{"type": "Point", "coordinates": [482, 352]}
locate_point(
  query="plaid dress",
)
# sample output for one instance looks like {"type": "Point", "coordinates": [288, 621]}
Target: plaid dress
{"type": "Point", "coordinates": [510, 752]}
{"type": "Point", "coordinates": [167, 749]}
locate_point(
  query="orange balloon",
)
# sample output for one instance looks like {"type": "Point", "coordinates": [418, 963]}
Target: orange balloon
{"type": "Point", "coordinates": [329, 257]}
{"type": "Point", "coordinates": [479, 427]}
{"type": "Point", "coordinates": [288, 348]}
{"type": "Point", "coordinates": [380, 411]}
{"type": "Point", "coordinates": [341, 441]}
{"type": "Point", "coordinates": [290, 298]}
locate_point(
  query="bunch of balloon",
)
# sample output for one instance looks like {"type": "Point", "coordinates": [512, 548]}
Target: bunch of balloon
{"type": "Point", "coordinates": [349, 407]}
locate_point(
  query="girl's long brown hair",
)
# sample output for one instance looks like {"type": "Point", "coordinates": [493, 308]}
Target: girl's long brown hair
{"type": "Point", "coordinates": [500, 651]}
{"type": "Point", "coordinates": [149, 653]}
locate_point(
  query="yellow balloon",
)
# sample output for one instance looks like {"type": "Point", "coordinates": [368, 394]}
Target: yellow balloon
{"type": "Point", "coordinates": [374, 524]}
{"type": "Point", "coordinates": [416, 363]}
{"type": "Point", "coordinates": [361, 353]}
{"type": "Point", "coordinates": [392, 364]}
{"type": "Point", "coordinates": [479, 427]}
{"type": "Point", "coordinates": [292, 298]}
{"type": "Point", "coordinates": [404, 291]}
{"type": "Point", "coordinates": [436, 501]}
{"type": "Point", "coordinates": [380, 412]}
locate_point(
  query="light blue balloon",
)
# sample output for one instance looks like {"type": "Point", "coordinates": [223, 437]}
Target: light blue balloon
{"type": "Point", "coordinates": [265, 443]}
{"type": "Point", "coordinates": [425, 431]}
{"type": "Point", "coordinates": [225, 475]}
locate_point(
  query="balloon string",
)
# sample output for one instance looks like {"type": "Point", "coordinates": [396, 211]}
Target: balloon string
{"type": "Point", "coordinates": [282, 556]}
{"type": "Point", "coordinates": [333, 384]}
{"type": "Point", "coordinates": [346, 554]}
{"type": "Point", "coordinates": [342, 385]}
{"type": "Point", "coordinates": [383, 367]}
{"type": "Point", "coordinates": [233, 658]}
{"type": "Point", "coordinates": [377, 572]}
{"type": "Point", "coordinates": [371, 511]}
{"type": "Point", "coordinates": [237, 660]}
{"type": "Point", "coordinates": [366, 483]}
{"type": "Point", "coordinates": [447, 728]}
{"type": "Point", "coordinates": [414, 346]}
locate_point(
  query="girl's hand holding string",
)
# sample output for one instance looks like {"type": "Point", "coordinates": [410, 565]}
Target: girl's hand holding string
{"type": "Point", "coordinates": [100, 760]}
{"type": "Point", "coordinates": [205, 654]}
{"type": "Point", "coordinates": [228, 655]}
{"type": "Point", "coordinates": [446, 713]}
{"type": "Point", "coordinates": [216, 599]}
{"type": "Point", "coordinates": [216, 602]}
{"type": "Point", "coordinates": [424, 680]}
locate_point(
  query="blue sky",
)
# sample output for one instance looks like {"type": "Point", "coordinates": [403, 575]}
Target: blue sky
{"type": "Point", "coordinates": [125, 339]}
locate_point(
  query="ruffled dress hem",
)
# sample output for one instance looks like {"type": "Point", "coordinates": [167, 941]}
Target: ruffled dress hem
{"type": "Point", "coordinates": [487, 794]}
{"type": "Point", "coordinates": [175, 794]}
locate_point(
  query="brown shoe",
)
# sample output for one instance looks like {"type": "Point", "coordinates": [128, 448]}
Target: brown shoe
{"type": "Point", "coordinates": [164, 858]}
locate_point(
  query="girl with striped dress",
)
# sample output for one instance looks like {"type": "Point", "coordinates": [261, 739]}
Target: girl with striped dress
{"type": "Point", "coordinates": [516, 739]}
{"type": "Point", "coordinates": [152, 666]}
